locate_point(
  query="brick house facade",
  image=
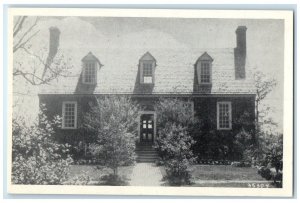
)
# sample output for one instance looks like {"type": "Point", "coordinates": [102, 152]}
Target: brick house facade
{"type": "Point", "coordinates": [217, 82]}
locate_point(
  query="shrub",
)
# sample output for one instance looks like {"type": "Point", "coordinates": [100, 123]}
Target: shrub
{"type": "Point", "coordinates": [81, 179]}
{"type": "Point", "coordinates": [113, 180]}
{"type": "Point", "coordinates": [114, 122]}
{"type": "Point", "coordinates": [174, 144]}
{"type": "Point", "coordinates": [36, 157]}
{"type": "Point", "coordinates": [270, 155]}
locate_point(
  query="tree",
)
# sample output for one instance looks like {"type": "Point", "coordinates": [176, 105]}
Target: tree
{"type": "Point", "coordinates": [113, 120]}
{"type": "Point", "coordinates": [174, 143]}
{"type": "Point", "coordinates": [269, 148]}
{"type": "Point", "coordinates": [36, 157]}
{"type": "Point", "coordinates": [45, 64]}
{"type": "Point", "coordinates": [263, 86]}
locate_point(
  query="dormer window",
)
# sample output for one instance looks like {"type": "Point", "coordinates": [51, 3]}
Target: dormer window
{"type": "Point", "coordinates": [90, 65]}
{"type": "Point", "coordinates": [147, 72]}
{"type": "Point", "coordinates": [205, 72]}
{"type": "Point", "coordinates": [204, 69]}
{"type": "Point", "coordinates": [89, 76]}
{"type": "Point", "coordinates": [147, 68]}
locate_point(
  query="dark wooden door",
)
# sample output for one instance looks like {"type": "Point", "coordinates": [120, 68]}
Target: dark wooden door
{"type": "Point", "coordinates": [147, 128]}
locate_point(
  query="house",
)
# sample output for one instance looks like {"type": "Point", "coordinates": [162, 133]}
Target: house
{"type": "Point", "coordinates": [217, 81]}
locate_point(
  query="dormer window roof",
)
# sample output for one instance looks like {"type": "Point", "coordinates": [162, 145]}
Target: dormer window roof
{"type": "Point", "coordinates": [204, 69]}
{"type": "Point", "coordinates": [147, 64]}
{"type": "Point", "coordinates": [90, 64]}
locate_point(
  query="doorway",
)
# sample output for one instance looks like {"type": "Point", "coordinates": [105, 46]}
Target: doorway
{"type": "Point", "coordinates": [147, 128]}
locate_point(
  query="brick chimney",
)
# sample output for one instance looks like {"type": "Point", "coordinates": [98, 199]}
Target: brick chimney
{"type": "Point", "coordinates": [53, 47]}
{"type": "Point", "coordinates": [240, 52]}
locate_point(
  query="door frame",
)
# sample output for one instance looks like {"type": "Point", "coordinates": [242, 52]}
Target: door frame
{"type": "Point", "coordinates": [139, 122]}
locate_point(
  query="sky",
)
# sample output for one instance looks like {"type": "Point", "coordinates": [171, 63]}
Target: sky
{"type": "Point", "coordinates": [265, 42]}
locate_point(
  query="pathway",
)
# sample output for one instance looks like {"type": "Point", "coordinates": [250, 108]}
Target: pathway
{"type": "Point", "coordinates": [146, 174]}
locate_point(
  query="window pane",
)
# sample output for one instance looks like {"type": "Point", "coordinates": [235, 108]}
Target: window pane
{"type": "Point", "coordinates": [147, 69]}
{"type": "Point", "coordinates": [90, 73]}
{"type": "Point", "coordinates": [224, 115]}
{"type": "Point", "coordinates": [69, 115]}
{"type": "Point", "coordinates": [205, 73]}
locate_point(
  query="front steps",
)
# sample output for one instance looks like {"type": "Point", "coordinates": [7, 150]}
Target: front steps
{"type": "Point", "coordinates": [146, 154]}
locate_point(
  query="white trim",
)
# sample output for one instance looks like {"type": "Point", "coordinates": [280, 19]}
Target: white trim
{"type": "Point", "coordinates": [84, 72]}
{"type": "Point", "coordinates": [230, 115]}
{"type": "Point", "coordinates": [199, 72]}
{"type": "Point", "coordinates": [154, 120]}
{"type": "Point", "coordinates": [63, 114]}
{"type": "Point", "coordinates": [141, 67]}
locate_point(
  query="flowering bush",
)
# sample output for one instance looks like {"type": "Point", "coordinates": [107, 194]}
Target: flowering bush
{"type": "Point", "coordinates": [36, 157]}
{"type": "Point", "coordinates": [114, 122]}
{"type": "Point", "coordinates": [270, 157]}
{"type": "Point", "coordinates": [174, 142]}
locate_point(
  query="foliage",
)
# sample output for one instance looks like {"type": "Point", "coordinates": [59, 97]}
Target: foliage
{"type": "Point", "coordinates": [269, 157]}
{"type": "Point", "coordinates": [263, 85]}
{"type": "Point", "coordinates": [36, 157]}
{"type": "Point", "coordinates": [113, 180]}
{"type": "Point", "coordinates": [270, 152]}
{"type": "Point", "coordinates": [81, 179]}
{"type": "Point", "coordinates": [174, 143]}
{"type": "Point", "coordinates": [244, 146]}
{"type": "Point", "coordinates": [114, 123]}
{"type": "Point", "coordinates": [175, 111]}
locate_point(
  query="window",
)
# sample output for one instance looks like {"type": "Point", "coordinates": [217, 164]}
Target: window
{"type": "Point", "coordinates": [90, 73]}
{"type": "Point", "coordinates": [147, 65]}
{"type": "Point", "coordinates": [147, 72]}
{"type": "Point", "coordinates": [224, 116]}
{"type": "Point", "coordinates": [204, 69]}
{"type": "Point", "coordinates": [69, 113]}
{"type": "Point", "coordinates": [205, 72]}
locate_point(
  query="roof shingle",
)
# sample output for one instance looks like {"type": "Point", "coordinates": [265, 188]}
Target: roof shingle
{"type": "Point", "coordinates": [174, 73]}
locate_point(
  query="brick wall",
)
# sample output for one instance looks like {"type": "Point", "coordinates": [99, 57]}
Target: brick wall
{"type": "Point", "coordinates": [205, 109]}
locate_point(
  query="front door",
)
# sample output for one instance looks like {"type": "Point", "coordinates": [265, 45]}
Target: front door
{"type": "Point", "coordinates": [147, 128]}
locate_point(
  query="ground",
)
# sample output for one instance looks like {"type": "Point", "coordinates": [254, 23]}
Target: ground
{"type": "Point", "coordinates": [148, 174]}
{"type": "Point", "coordinates": [227, 176]}
{"type": "Point", "coordinates": [225, 172]}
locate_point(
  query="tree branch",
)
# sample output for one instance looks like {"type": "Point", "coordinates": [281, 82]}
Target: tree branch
{"type": "Point", "coordinates": [19, 27]}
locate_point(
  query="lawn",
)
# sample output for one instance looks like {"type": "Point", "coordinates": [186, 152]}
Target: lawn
{"type": "Point", "coordinates": [227, 176]}
{"type": "Point", "coordinates": [225, 172]}
{"type": "Point", "coordinates": [96, 172]}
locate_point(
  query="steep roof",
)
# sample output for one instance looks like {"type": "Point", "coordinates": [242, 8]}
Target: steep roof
{"type": "Point", "coordinates": [205, 57]}
{"type": "Point", "coordinates": [147, 57]}
{"type": "Point", "coordinates": [90, 57]}
{"type": "Point", "coordinates": [174, 73]}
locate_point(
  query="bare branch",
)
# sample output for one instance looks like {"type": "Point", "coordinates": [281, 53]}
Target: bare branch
{"type": "Point", "coordinates": [19, 26]}
{"type": "Point", "coordinates": [18, 45]}
{"type": "Point", "coordinates": [26, 76]}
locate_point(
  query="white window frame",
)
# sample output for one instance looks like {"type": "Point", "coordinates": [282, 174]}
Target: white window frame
{"type": "Point", "coordinates": [209, 69]}
{"type": "Point", "coordinates": [142, 75]}
{"type": "Point", "coordinates": [85, 67]}
{"type": "Point", "coordinates": [63, 114]}
{"type": "Point", "coordinates": [230, 115]}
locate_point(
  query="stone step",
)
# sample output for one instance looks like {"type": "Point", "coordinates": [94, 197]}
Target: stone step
{"type": "Point", "coordinates": [146, 160]}
{"type": "Point", "coordinates": [146, 154]}
{"type": "Point", "coordinates": [147, 157]}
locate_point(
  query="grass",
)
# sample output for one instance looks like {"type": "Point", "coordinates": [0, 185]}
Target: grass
{"type": "Point", "coordinates": [202, 175]}
{"type": "Point", "coordinates": [96, 173]}
{"type": "Point", "coordinates": [225, 172]}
